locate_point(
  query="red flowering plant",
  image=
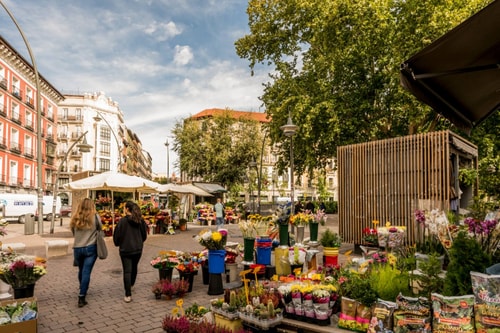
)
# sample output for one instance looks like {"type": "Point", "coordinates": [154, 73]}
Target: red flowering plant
{"type": "Point", "coordinates": [231, 255]}
{"type": "Point", "coordinates": [188, 262]}
{"type": "Point", "coordinates": [370, 236]}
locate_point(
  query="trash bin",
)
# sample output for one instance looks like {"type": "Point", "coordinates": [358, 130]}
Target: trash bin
{"type": "Point", "coordinates": [29, 224]}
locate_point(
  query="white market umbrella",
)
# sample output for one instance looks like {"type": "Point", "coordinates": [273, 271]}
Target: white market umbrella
{"type": "Point", "coordinates": [183, 189]}
{"type": "Point", "coordinates": [115, 182]}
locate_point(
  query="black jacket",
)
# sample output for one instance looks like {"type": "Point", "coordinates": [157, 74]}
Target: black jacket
{"type": "Point", "coordinates": [129, 235]}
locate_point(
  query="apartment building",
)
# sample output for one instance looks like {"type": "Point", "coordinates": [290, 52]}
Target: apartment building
{"type": "Point", "coordinates": [19, 123]}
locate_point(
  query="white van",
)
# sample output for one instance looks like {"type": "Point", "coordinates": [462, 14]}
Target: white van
{"type": "Point", "coordinates": [14, 207]}
{"type": "Point", "coordinates": [48, 201]}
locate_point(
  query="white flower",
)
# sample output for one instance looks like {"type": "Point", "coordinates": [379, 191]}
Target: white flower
{"type": "Point", "coordinates": [207, 236]}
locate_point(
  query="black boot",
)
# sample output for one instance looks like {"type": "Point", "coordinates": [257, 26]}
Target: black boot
{"type": "Point", "coordinates": [81, 301]}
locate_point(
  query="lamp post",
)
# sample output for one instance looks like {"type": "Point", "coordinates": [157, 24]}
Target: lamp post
{"type": "Point", "coordinates": [39, 161]}
{"type": "Point", "coordinates": [289, 130]}
{"type": "Point", "coordinates": [167, 144]}
{"type": "Point", "coordinates": [97, 119]}
{"type": "Point", "coordinates": [252, 165]}
{"type": "Point", "coordinates": [84, 147]}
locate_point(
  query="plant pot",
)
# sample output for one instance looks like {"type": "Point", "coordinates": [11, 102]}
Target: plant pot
{"type": "Point", "coordinates": [331, 256]}
{"type": "Point", "coordinates": [294, 267]}
{"type": "Point", "coordinates": [283, 229]}
{"type": "Point", "coordinates": [248, 246]}
{"type": "Point", "coordinates": [300, 234]}
{"type": "Point", "coordinates": [24, 291]}
{"type": "Point", "coordinates": [166, 273]}
{"type": "Point", "coordinates": [204, 273]}
{"type": "Point", "coordinates": [313, 232]}
{"type": "Point", "coordinates": [182, 227]}
{"type": "Point", "coordinates": [189, 278]}
{"type": "Point", "coordinates": [157, 295]}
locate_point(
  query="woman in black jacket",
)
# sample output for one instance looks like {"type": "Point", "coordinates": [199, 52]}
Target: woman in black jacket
{"type": "Point", "coordinates": [129, 235]}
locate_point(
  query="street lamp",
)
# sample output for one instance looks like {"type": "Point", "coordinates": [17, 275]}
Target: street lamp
{"type": "Point", "coordinates": [97, 119]}
{"type": "Point", "coordinates": [39, 161]}
{"type": "Point", "coordinates": [84, 147]}
{"type": "Point", "coordinates": [252, 165]}
{"type": "Point", "coordinates": [167, 144]}
{"type": "Point", "coordinates": [289, 130]}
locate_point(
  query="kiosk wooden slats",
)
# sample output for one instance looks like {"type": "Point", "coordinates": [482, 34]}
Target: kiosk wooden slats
{"type": "Point", "coordinates": [387, 180]}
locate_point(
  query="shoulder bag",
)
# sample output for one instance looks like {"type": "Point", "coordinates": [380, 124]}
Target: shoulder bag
{"type": "Point", "coordinates": [102, 250]}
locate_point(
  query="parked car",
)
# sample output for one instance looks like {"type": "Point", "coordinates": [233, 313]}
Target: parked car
{"type": "Point", "coordinates": [66, 210]}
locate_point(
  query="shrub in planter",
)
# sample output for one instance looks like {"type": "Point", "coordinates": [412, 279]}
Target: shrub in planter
{"type": "Point", "coordinates": [466, 255]}
{"type": "Point", "coordinates": [380, 274]}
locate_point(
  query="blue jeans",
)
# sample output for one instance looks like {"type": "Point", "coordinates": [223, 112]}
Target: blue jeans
{"type": "Point", "coordinates": [129, 265]}
{"type": "Point", "coordinates": [219, 221]}
{"type": "Point", "coordinates": [85, 258]}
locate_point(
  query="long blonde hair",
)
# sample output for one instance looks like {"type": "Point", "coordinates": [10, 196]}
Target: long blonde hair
{"type": "Point", "coordinates": [84, 217]}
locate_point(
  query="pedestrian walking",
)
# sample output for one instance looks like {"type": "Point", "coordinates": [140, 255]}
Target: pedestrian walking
{"type": "Point", "coordinates": [129, 235]}
{"type": "Point", "coordinates": [219, 214]}
{"type": "Point", "coordinates": [84, 225]}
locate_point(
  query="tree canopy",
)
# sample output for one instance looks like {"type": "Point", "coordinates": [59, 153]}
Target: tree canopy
{"type": "Point", "coordinates": [217, 149]}
{"type": "Point", "coordinates": [334, 68]}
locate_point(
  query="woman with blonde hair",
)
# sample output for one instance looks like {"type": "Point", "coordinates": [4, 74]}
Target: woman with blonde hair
{"type": "Point", "coordinates": [84, 225]}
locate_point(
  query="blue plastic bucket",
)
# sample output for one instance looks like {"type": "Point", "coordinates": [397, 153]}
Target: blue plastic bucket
{"type": "Point", "coordinates": [264, 255]}
{"type": "Point", "coordinates": [216, 261]}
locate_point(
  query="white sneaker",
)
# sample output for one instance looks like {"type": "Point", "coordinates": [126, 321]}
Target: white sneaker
{"type": "Point", "coordinates": [127, 299]}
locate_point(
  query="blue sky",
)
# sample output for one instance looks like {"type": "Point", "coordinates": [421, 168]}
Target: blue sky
{"type": "Point", "coordinates": [161, 60]}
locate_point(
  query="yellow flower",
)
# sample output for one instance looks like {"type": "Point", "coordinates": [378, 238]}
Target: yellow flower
{"type": "Point", "coordinates": [216, 236]}
{"type": "Point", "coordinates": [175, 311]}
{"type": "Point", "coordinates": [179, 302]}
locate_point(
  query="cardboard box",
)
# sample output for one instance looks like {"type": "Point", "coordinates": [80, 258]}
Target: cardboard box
{"type": "Point", "coordinates": [29, 326]}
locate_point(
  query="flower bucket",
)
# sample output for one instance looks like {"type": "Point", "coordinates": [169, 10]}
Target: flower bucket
{"type": "Point", "coordinates": [216, 261]}
{"type": "Point", "coordinates": [205, 274]}
{"type": "Point", "coordinates": [189, 278]}
{"type": "Point", "coordinates": [313, 232]}
{"type": "Point", "coordinates": [264, 247]}
{"type": "Point", "coordinates": [24, 291]}
{"type": "Point", "coordinates": [165, 273]}
{"type": "Point", "coordinates": [248, 244]}
{"type": "Point", "coordinates": [331, 256]}
{"type": "Point", "coordinates": [283, 228]}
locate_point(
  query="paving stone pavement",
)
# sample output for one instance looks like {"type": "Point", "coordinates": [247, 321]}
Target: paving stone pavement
{"type": "Point", "coordinates": [106, 312]}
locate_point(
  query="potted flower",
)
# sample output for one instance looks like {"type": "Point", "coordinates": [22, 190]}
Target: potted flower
{"type": "Point", "coordinates": [317, 218]}
{"type": "Point", "coordinates": [182, 224]}
{"type": "Point", "coordinates": [157, 289]}
{"type": "Point", "coordinates": [165, 262]}
{"type": "Point", "coordinates": [301, 220]}
{"type": "Point", "coordinates": [215, 242]}
{"type": "Point", "coordinates": [297, 257]}
{"type": "Point", "coordinates": [180, 287]}
{"type": "Point", "coordinates": [281, 217]}
{"type": "Point", "coordinates": [331, 242]}
{"type": "Point", "coordinates": [370, 237]}
{"type": "Point", "coordinates": [21, 272]}
{"type": "Point", "coordinates": [247, 228]}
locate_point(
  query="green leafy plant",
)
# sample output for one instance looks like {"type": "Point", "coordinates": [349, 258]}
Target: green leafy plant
{"type": "Point", "coordinates": [429, 278]}
{"type": "Point", "coordinates": [399, 281]}
{"type": "Point", "coordinates": [466, 255]}
{"type": "Point", "coordinates": [330, 239]}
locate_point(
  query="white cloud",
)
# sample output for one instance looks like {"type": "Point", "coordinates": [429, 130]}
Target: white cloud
{"type": "Point", "coordinates": [163, 31]}
{"type": "Point", "coordinates": [183, 55]}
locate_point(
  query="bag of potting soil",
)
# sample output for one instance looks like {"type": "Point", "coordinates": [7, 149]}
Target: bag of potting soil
{"type": "Point", "coordinates": [347, 317]}
{"type": "Point", "coordinates": [363, 316]}
{"type": "Point", "coordinates": [382, 320]}
{"type": "Point", "coordinates": [452, 313]}
{"type": "Point", "coordinates": [486, 289]}
{"type": "Point", "coordinates": [413, 315]}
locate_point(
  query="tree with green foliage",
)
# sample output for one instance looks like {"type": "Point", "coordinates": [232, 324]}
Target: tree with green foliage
{"type": "Point", "coordinates": [217, 149]}
{"type": "Point", "coordinates": [334, 68]}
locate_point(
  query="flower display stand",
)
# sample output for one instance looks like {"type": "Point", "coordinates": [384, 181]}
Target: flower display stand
{"type": "Point", "coordinates": [313, 233]}
{"type": "Point", "coordinates": [231, 324]}
{"type": "Point", "coordinates": [283, 232]}
{"type": "Point", "coordinates": [215, 286]}
{"type": "Point", "coordinates": [231, 272]}
{"type": "Point", "coordinates": [204, 273]}
{"type": "Point", "coordinates": [300, 234]}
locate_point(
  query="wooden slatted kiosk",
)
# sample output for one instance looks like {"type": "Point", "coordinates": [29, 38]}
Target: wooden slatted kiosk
{"type": "Point", "coordinates": [387, 180]}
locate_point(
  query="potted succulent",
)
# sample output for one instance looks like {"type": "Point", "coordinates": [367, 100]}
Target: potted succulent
{"type": "Point", "coordinates": [331, 241]}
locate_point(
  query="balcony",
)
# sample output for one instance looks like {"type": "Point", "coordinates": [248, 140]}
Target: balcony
{"type": "Point", "coordinates": [29, 102]}
{"type": "Point", "coordinates": [50, 138]}
{"type": "Point", "coordinates": [29, 152]}
{"type": "Point", "coordinates": [3, 143]}
{"type": "Point", "coordinates": [62, 136]}
{"type": "Point", "coordinates": [3, 83]}
{"type": "Point", "coordinates": [16, 93]}
{"type": "Point", "coordinates": [3, 110]}
{"type": "Point", "coordinates": [15, 148]}
{"type": "Point", "coordinates": [15, 117]}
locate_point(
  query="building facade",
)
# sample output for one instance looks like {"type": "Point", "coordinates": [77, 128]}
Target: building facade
{"type": "Point", "coordinates": [19, 123]}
